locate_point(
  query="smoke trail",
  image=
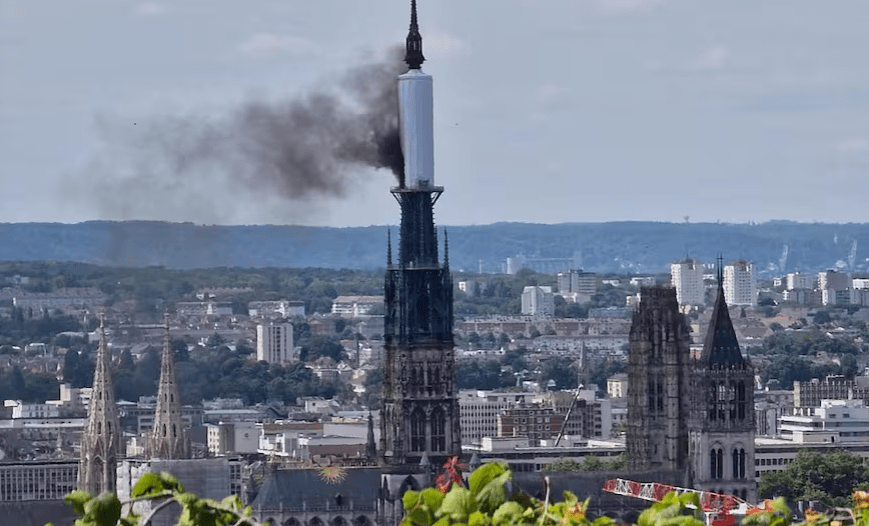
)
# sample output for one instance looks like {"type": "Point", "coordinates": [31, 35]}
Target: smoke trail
{"type": "Point", "coordinates": [303, 149]}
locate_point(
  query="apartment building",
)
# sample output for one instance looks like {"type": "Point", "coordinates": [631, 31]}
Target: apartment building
{"type": "Point", "coordinates": [740, 284]}
{"type": "Point", "coordinates": [686, 277]}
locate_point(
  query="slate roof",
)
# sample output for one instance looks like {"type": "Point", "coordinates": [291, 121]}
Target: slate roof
{"type": "Point", "coordinates": [295, 488]}
{"type": "Point", "coordinates": [721, 348]}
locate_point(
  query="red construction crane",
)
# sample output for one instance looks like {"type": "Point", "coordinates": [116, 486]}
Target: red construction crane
{"type": "Point", "coordinates": [718, 508]}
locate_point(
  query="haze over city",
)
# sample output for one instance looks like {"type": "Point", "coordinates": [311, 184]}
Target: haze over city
{"type": "Point", "coordinates": [554, 111]}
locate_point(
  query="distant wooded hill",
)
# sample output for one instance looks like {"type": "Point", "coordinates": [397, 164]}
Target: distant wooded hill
{"type": "Point", "coordinates": [622, 247]}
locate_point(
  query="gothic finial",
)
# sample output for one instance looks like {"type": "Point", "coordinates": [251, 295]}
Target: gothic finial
{"type": "Point", "coordinates": [166, 342]}
{"type": "Point", "coordinates": [446, 250]}
{"type": "Point", "coordinates": [389, 246]}
{"type": "Point", "coordinates": [371, 447]}
{"type": "Point", "coordinates": [413, 57]}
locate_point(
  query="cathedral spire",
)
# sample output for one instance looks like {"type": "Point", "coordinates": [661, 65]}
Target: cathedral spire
{"type": "Point", "coordinates": [721, 347]}
{"type": "Point", "coordinates": [100, 442]}
{"type": "Point", "coordinates": [413, 57]}
{"type": "Point", "coordinates": [167, 439]}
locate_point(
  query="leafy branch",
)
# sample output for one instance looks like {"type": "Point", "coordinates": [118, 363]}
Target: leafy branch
{"type": "Point", "coordinates": [163, 490]}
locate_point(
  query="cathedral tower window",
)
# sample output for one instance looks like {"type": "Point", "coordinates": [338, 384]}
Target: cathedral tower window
{"type": "Point", "coordinates": [417, 430]}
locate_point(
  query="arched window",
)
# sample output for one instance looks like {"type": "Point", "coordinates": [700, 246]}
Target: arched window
{"type": "Point", "coordinates": [720, 473]}
{"type": "Point", "coordinates": [438, 430]}
{"type": "Point", "coordinates": [741, 412]}
{"type": "Point", "coordinates": [713, 464]}
{"type": "Point", "coordinates": [417, 430]}
{"type": "Point", "coordinates": [742, 463]}
{"type": "Point", "coordinates": [174, 431]}
{"type": "Point", "coordinates": [716, 463]}
{"type": "Point", "coordinates": [735, 455]}
{"type": "Point", "coordinates": [98, 475]}
{"type": "Point", "coordinates": [164, 430]}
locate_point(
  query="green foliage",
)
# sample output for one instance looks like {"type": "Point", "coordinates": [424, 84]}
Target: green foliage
{"type": "Point", "coordinates": [162, 490]}
{"type": "Point", "coordinates": [482, 374]}
{"type": "Point", "coordinates": [674, 510]}
{"type": "Point", "coordinates": [830, 478]}
{"type": "Point", "coordinates": [809, 343]}
{"type": "Point", "coordinates": [588, 463]}
{"type": "Point", "coordinates": [484, 503]}
{"type": "Point", "coordinates": [561, 371]}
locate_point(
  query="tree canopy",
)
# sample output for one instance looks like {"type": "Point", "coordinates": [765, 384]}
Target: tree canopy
{"type": "Point", "coordinates": [828, 477]}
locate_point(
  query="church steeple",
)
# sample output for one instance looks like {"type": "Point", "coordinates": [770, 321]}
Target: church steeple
{"type": "Point", "coordinates": [721, 348]}
{"type": "Point", "coordinates": [167, 439]}
{"type": "Point", "coordinates": [413, 56]}
{"type": "Point", "coordinates": [101, 440]}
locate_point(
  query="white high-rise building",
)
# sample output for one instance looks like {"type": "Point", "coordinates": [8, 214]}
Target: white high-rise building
{"type": "Point", "coordinates": [686, 276]}
{"type": "Point", "coordinates": [538, 301]}
{"type": "Point", "coordinates": [798, 280]}
{"type": "Point", "coordinates": [740, 285]}
{"type": "Point", "coordinates": [274, 342]}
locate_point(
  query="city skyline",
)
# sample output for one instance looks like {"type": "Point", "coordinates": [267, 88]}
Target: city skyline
{"type": "Point", "coordinates": [593, 110]}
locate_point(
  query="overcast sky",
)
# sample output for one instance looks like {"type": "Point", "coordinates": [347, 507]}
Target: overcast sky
{"type": "Point", "coordinates": [545, 110]}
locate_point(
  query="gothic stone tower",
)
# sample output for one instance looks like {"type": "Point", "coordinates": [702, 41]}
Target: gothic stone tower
{"type": "Point", "coordinates": [658, 384]}
{"type": "Point", "coordinates": [167, 440]}
{"type": "Point", "coordinates": [97, 471]}
{"type": "Point", "coordinates": [722, 423]}
{"type": "Point", "coordinates": [420, 413]}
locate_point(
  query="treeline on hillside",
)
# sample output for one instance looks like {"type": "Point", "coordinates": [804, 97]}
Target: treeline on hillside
{"type": "Point", "coordinates": [156, 289]}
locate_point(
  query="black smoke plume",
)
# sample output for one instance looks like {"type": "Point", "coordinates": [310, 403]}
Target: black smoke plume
{"type": "Point", "coordinates": [312, 146]}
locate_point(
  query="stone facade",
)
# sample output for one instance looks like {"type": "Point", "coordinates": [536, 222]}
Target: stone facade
{"type": "Point", "coordinates": [658, 384]}
{"type": "Point", "coordinates": [690, 416]}
{"type": "Point", "coordinates": [722, 424]}
{"type": "Point", "coordinates": [167, 440]}
{"type": "Point", "coordinates": [100, 441]}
